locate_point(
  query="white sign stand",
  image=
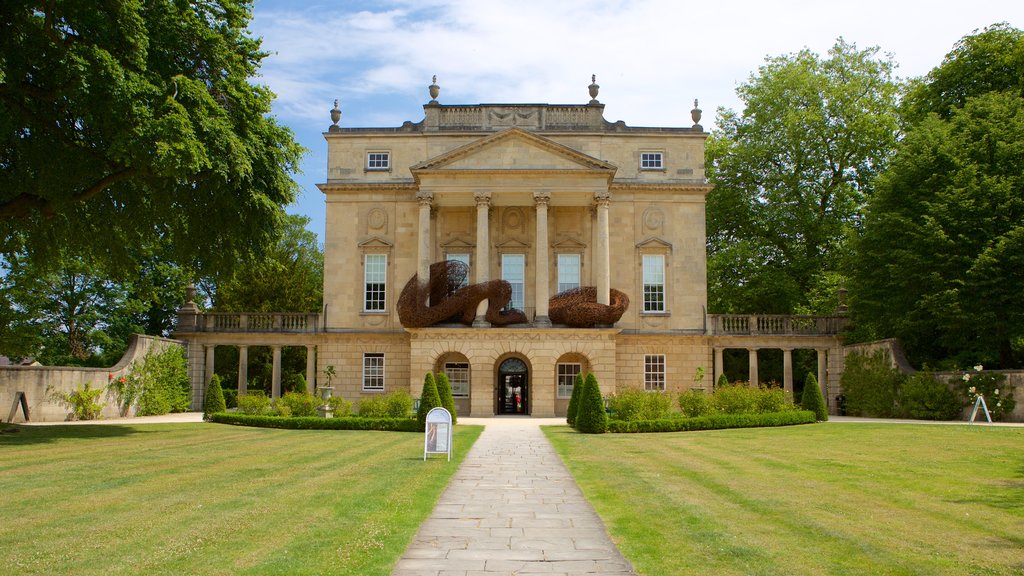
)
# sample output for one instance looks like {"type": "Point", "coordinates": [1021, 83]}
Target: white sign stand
{"type": "Point", "coordinates": [437, 438]}
{"type": "Point", "coordinates": [980, 402]}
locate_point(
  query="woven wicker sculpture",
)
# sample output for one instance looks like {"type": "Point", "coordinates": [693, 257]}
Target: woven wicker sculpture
{"type": "Point", "coordinates": [579, 308]}
{"type": "Point", "coordinates": [442, 299]}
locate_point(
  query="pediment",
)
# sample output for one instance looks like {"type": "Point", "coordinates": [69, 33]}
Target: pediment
{"type": "Point", "coordinates": [654, 243]}
{"type": "Point", "coordinates": [513, 149]}
{"type": "Point", "coordinates": [569, 245]}
{"type": "Point", "coordinates": [375, 242]}
{"type": "Point", "coordinates": [512, 246]}
{"type": "Point", "coordinates": [457, 243]}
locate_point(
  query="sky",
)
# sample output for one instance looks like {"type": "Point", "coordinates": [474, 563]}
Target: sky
{"type": "Point", "coordinates": [652, 58]}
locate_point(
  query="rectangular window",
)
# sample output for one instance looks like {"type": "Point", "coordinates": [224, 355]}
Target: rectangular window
{"type": "Point", "coordinates": [375, 273]}
{"type": "Point", "coordinates": [654, 372]}
{"type": "Point", "coordinates": [651, 161]}
{"type": "Point", "coordinates": [464, 258]}
{"type": "Point", "coordinates": [568, 272]}
{"type": "Point", "coordinates": [654, 282]}
{"type": "Point", "coordinates": [458, 377]}
{"type": "Point", "coordinates": [567, 378]}
{"type": "Point", "coordinates": [513, 271]}
{"type": "Point", "coordinates": [378, 161]}
{"type": "Point", "coordinates": [373, 371]}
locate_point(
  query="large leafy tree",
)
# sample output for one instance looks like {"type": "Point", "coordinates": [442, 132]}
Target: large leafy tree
{"type": "Point", "coordinates": [791, 176]}
{"type": "Point", "coordinates": [940, 262]}
{"type": "Point", "coordinates": [127, 121]}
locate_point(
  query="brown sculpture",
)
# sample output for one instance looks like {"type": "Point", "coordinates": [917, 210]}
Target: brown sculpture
{"type": "Point", "coordinates": [444, 299]}
{"type": "Point", "coordinates": [579, 308]}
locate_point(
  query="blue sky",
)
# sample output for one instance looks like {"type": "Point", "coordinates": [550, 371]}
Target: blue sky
{"type": "Point", "coordinates": [651, 57]}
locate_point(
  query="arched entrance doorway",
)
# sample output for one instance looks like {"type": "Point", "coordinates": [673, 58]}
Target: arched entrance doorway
{"type": "Point", "coordinates": [512, 391]}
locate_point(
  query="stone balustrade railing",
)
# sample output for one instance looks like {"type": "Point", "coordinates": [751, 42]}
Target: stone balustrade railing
{"type": "Point", "coordinates": [256, 322]}
{"type": "Point", "coordinates": [775, 325]}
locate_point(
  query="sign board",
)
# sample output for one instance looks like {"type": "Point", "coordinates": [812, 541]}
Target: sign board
{"type": "Point", "coordinates": [437, 438]}
{"type": "Point", "coordinates": [980, 403]}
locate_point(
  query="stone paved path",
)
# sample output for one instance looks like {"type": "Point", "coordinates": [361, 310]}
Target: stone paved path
{"type": "Point", "coordinates": [512, 509]}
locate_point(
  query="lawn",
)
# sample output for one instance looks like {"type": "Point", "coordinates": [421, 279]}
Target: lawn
{"type": "Point", "coordinates": [213, 499]}
{"type": "Point", "coordinates": [834, 498]}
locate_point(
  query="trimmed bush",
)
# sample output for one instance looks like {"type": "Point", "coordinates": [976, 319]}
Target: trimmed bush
{"type": "Point", "coordinates": [574, 400]}
{"type": "Point", "coordinates": [298, 384]}
{"type": "Point", "coordinates": [736, 399]}
{"type": "Point", "coordinates": [214, 400]}
{"type": "Point", "coordinates": [444, 392]}
{"type": "Point", "coordinates": [694, 403]}
{"type": "Point", "coordinates": [924, 398]}
{"type": "Point", "coordinates": [634, 404]}
{"type": "Point", "coordinates": [341, 407]}
{"type": "Point", "coordinates": [813, 400]}
{"type": "Point", "coordinates": [317, 423]}
{"type": "Point", "coordinates": [298, 404]}
{"type": "Point", "coordinates": [254, 403]}
{"type": "Point", "coordinates": [722, 381]}
{"type": "Point", "coordinates": [591, 417]}
{"type": "Point", "coordinates": [230, 396]}
{"type": "Point", "coordinates": [397, 404]}
{"type": "Point", "coordinates": [772, 400]}
{"type": "Point", "coordinates": [871, 385]}
{"type": "Point", "coordinates": [715, 422]}
{"type": "Point", "coordinates": [428, 400]}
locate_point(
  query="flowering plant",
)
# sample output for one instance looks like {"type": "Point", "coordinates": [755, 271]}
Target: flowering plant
{"type": "Point", "coordinates": [990, 386]}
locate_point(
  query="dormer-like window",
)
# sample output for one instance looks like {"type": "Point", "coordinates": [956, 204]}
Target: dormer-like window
{"type": "Point", "coordinates": [378, 161]}
{"type": "Point", "coordinates": [652, 160]}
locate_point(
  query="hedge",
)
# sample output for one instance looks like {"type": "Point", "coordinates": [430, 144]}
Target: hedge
{"type": "Point", "coordinates": [716, 422]}
{"type": "Point", "coordinates": [317, 423]}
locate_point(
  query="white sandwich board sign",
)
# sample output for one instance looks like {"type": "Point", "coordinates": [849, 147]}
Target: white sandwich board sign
{"type": "Point", "coordinates": [437, 438]}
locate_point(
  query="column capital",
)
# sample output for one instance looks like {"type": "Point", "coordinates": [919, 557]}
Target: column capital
{"type": "Point", "coordinates": [425, 198]}
{"type": "Point", "coordinates": [483, 199]}
{"type": "Point", "coordinates": [541, 198]}
{"type": "Point", "coordinates": [602, 198]}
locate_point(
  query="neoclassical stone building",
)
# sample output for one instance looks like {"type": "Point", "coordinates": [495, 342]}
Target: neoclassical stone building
{"type": "Point", "coordinates": [545, 197]}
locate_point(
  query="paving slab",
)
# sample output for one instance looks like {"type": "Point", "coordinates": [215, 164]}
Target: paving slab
{"type": "Point", "coordinates": [512, 508]}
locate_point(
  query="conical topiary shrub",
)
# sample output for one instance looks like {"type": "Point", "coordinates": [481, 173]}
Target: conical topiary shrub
{"type": "Point", "coordinates": [722, 381]}
{"type": "Point", "coordinates": [812, 399]}
{"type": "Point", "coordinates": [428, 399]}
{"type": "Point", "coordinates": [590, 415]}
{"type": "Point", "coordinates": [574, 400]}
{"type": "Point", "coordinates": [444, 392]}
{"type": "Point", "coordinates": [214, 400]}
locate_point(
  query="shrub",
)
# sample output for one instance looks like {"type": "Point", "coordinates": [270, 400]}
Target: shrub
{"type": "Point", "coordinates": [772, 400]}
{"type": "Point", "coordinates": [722, 381]}
{"type": "Point", "coordinates": [574, 400]}
{"type": "Point", "coordinates": [341, 407]}
{"type": "Point", "coordinates": [126, 390]}
{"type": "Point", "coordinates": [715, 422]}
{"type": "Point", "coordinates": [635, 404]}
{"type": "Point", "coordinates": [298, 404]}
{"type": "Point", "coordinates": [992, 386]}
{"type": "Point", "coordinates": [736, 399]}
{"type": "Point", "coordinates": [444, 392]}
{"type": "Point", "coordinates": [316, 423]}
{"type": "Point", "coordinates": [297, 383]}
{"type": "Point", "coordinates": [694, 403]}
{"type": "Point", "coordinates": [165, 383]}
{"type": "Point", "coordinates": [214, 400]}
{"type": "Point", "coordinates": [925, 398]}
{"type": "Point", "coordinates": [230, 397]}
{"type": "Point", "coordinates": [812, 399]}
{"type": "Point", "coordinates": [871, 385]}
{"type": "Point", "coordinates": [428, 399]}
{"type": "Point", "coordinates": [591, 417]}
{"type": "Point", "coordinates": [254, 403]}
{"type": "Point", "coordinates": [83, 402]}
{"type": "Point", "coordinates": [397, 404]}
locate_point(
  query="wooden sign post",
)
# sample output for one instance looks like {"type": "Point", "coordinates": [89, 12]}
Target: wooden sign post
{"type": "Point", "coordinates": [437, 438]}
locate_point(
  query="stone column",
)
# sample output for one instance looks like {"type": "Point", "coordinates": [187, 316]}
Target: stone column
{"type": "Point", "coordinates": [602, 260]}
{"type": "Point", "coordinates": [483, 251]}
{"type": "Point", "coordinates": [311, 368]}
{"type": "Point", "coordinates": [719, 365]}
{"type": "Point", "coordinates": [208, 374]}
{"type": "Point", "coordinates": [787, 370]}
{"type": "Point", "coordinates": [243, 370]}
{"type": "Point", "coordinates": [823, 376]}
{"type": "Point", "coordinates": [753, 367]}
{"type": "Point", "coordinates": [542, 277]}
{"type": "Point", "coordinates": [275, 378]}
{"type": "Point", "coordinates": [424, 254]}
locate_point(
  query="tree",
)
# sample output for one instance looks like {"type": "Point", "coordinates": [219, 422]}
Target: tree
{"type": "Point", "coordinates": [591, 417]}
{"type": "Point", "coordinates": [214, 401]}
{"type": "Point", "coordinates": [791, 176]}
{"type": "Point", "coordinates": [444, 392]}
{"type": "Point", "coordinates": [813, 400]}
{"type": "Point", "coordinates": [124, 122]}
{"type": "Point", "coordinates": [574, 400]}
{"type": "Point", "coordinates": [429, 399]}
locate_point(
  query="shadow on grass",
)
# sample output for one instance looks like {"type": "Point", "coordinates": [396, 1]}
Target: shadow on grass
{"type": "Point", "coordinates": [18, 435]}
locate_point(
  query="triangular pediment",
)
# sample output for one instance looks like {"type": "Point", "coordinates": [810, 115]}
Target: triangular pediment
{"type": "Point", "coordinates": [375, 242]}
{"type": "Point", "coordinates": [457, 243]}
{"type": "Point", "coordinates": [569, 245]}
{"type": "Point", "coordinates": [513, 246]}
{"type": "Point", "coordinates": [513, 149]}
{"type": "Point", "coordinates": [654, 243]}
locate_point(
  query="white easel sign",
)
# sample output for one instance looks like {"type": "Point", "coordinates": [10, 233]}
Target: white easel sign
{"type": "Point", "coordinates": [980, 403]}
{"type": "Point", "coordinates": [437, 437]}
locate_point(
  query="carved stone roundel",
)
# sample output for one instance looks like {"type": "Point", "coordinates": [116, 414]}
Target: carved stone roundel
{"type": "Point", "coordinates": [654, 218]}
{"type": "Point", "coordinates": [377, 219]}
{"type": "Point", "coordinates": [513, 219]}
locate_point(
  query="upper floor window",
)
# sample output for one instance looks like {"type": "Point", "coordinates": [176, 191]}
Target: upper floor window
{"type": "Point", "coordinates": [652, 161]}
{"type": "Point", "coordinates": [373, 371]}
{"type": "Point", "coordinates": [513, 271]}
{"type": "Point", "coordinates": [378, 160]}
{"type": "Point", "coordinates": [654, 372]}
{"type": "Point", "coordinates": [458, 377]}
{"type": "Point", "coordinates": [568, 272]}
{"type": "Point", "coordinates": [654, 282]}
{"type": "Point", "coordinates": [375, 273]}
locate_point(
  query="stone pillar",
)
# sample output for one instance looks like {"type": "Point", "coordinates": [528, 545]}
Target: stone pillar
{"type": "Point", "coordinates": [243, 370]}
{"type": "Point", "coordinates": [753, 367]}
{"type": "Point", "coordinates": [542, 276]}
{"type": "Point", "coordinates": [787, 370]}
{"type": "Point", "coordinates": [719, 365]}
{"type": "Point", "coordinates": [424, 254]}
{"type": "Point", "coordinates": [602, 260]}
{"type": "Point", "coordinates": [208, 374]}
{"type": "Point", "coordinates": [823, 375]}
{"type": "Point", "coordinates": [311, 368]}
{"type": "Point", "coordinates": [275, 379]}
{"type": "Point", "coordinates": [483, 251]}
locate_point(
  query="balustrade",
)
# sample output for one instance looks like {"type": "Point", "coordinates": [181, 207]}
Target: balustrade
{"type": "Point", "coordinates": [775, 325]}
{"type": "Point", "coordinates": [257, 322]}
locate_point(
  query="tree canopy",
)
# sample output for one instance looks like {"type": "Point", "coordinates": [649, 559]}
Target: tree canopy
{"type": "Point", "coordinates": [791, 176]}
{"type": "Point", "coordinates": [125, 122]}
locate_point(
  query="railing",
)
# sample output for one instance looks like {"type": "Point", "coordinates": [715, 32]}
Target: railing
{"type": "Point", "coordinates": [775, 325]}
{"type": "Point", "coordinates": [257, 322]}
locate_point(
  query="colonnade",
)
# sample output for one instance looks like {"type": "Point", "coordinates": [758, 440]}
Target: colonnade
{"type": "Point", "coordinates": [275, 381]}
{"type": "Point", "coordinates": [787, 366]}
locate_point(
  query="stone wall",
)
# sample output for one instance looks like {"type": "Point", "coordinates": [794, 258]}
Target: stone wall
{"type": "Point", "coordinates": [42, 383]}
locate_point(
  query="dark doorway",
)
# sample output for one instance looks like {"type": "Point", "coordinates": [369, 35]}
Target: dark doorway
{"type": "Point", "coordinates": [513, 387]}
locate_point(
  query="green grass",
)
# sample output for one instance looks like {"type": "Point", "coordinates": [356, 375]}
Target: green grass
{"type": "Point", "coordinates": [213, 499]}
{"type": "Point", "coordinates": [837, 499]}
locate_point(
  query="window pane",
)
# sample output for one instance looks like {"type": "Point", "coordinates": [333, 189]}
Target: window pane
{"type": "Point", "coordinates": [458, 377]}
{"type": "Point", "coordinates": [375, 281]}
{"type": "Point", "coordinates": [654, 282]}
{"type": "Point", "coordinates": [566, 377]}
{"type": "Point", "coordinates": [378, 160]}
{"type": "Point", "coordinates": [373, 371]}
{"type": "Point", "coordinates": [654, 372]}
{"type": "Point", "coordinates": [513, 271]}
{"type": "Point", "coordinates": [568, 272]}
{"type": "Point", "coordinates": [464, 258]}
